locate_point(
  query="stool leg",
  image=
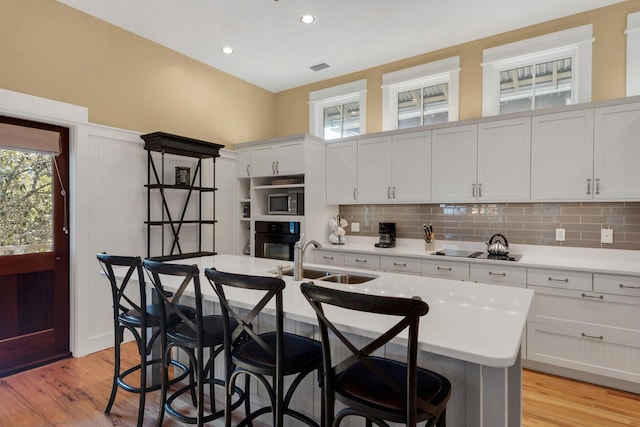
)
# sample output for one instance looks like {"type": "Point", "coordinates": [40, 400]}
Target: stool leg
{"type": "Point", "coordinates": [118, 332]}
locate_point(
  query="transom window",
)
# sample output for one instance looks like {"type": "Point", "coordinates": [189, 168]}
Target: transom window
{"type": "Point", "coordinates": [542, 85]}
{"type": "Point", "coordinates": [338, 111]}
{"type": "Point", "coordinates": [421, 95]}
{"type": "Point", "coordinates": [546, 71]}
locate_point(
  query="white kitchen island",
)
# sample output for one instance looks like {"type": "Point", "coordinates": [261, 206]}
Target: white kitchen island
{"type": "Point", "coordinates": [472, 333]}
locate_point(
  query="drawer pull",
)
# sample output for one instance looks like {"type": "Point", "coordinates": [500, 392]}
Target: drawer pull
{"type": "Point", "coordinates": [600, 337]}
{"type": "Point", "coordinates": [491, 273]}
{"type": "Point", "coordinates": [592, 296]}
{"type": "Point", "coordinates": [565, 280]}
{"type": "Point", "coordinates": [397, 264]}
{"type": "Point", "coordinates": [361, 260]}
{"type": "Point", "coordinates": [330, 258]}
{"type": "Point", "coordinates": [444, 268]}
{"type": "Point", "coordinates": [629, 287]}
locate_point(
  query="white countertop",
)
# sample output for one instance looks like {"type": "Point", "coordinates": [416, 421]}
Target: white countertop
{"type": "Point", "coordinates": [608, 261]}
{"type": "Point", "coordinates": [473, 322]}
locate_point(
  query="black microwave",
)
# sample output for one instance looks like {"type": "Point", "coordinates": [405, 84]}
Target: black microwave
{"type": "Point", "coordinates": [290, 203]}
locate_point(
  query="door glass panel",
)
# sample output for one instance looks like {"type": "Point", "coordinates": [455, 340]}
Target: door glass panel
{"type": "Point", "coordinates": [26, 210]}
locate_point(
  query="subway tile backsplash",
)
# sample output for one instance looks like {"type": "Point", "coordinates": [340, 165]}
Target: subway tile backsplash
{"type": "Point", "coordinates": [521, 223]}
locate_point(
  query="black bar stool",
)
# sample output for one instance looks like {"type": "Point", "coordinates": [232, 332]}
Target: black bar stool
{"type": "Point", "coordinates": [193, 336]}
{"type": "Point", "coordinates": [373, 387]}
{"type": "Point", "coordinates": [128, 314]}
{"type": "Point", "coordinates": [273, 354]}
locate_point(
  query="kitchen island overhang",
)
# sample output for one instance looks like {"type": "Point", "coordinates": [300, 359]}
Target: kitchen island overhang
{"type": "Point", "coordinates": [472, 333]}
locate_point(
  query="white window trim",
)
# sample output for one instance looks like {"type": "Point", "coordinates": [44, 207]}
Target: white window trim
{"type": "Point", "coordinates": [633, 54]}
{"type": "Point", "coordinates": [574, 42]}
{"type": "Point", "coordinates": [431, 74]}
{"type": "Point", "coordinates": [336, 95]}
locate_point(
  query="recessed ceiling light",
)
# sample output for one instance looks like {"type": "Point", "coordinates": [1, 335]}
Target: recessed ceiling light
{"type": "Point", "coordinates": [228, 50]}
{"type": "Point", "coordinates": [307, 19]}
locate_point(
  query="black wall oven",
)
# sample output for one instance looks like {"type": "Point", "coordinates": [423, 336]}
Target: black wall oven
{"type": "Point", "coordinates": [276, 239]}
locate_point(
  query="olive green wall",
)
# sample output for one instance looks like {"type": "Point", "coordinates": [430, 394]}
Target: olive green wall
{"type": "Point", "coordinates": [53, 51]}
{"type": "Point", "coordinates": [609, 68]}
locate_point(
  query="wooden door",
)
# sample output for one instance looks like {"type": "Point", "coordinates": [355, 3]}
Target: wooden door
{"type": "Point", "coordinates": [34, 277]}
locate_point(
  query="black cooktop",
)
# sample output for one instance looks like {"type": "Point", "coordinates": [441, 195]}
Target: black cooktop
{"type": "Point", "coordinates": [479, 255]}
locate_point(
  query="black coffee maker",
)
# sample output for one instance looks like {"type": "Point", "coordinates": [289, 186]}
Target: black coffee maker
{"type": "Point", "coordinates": [387, 232]}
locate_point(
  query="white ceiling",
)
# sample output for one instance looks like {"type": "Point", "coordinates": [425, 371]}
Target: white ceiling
{"type": "Point", "coordinates": [274, 50]}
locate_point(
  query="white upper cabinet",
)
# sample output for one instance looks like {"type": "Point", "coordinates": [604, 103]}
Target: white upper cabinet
{"type": "Point", "coordinates": [504, 160]}
{"type": "Point", "coordinates": [411, 167]}
{"type": "Point", "coordinates": [394, 169]}
{"type": "Point", "coordinates": [243, 163]}
{"type": "Point", "coordinates": [342, 172]}
{"type": "Point", "coordinates": [277, 159]}
{"type": "Point", "coordinates": [454, 163]}
{"type": "Point", "coordinates": [617, 152]}
{"type": "Point", "coordinates": [374, 169]}
{"type": "Point", "coordinates": [562, 156]}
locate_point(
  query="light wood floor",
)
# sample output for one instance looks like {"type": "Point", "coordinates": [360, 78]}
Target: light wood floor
{"type": "Point", "coordinates": [74, 392]}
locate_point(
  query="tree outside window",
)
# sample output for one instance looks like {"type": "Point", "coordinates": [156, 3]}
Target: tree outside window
{"type": "Point", "coordinates": [26, 202]}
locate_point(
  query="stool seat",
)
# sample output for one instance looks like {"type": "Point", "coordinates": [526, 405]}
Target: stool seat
{"type": "Point", "coordinates": [300, 353]}
{"type": "Point", "coordinates": [212, 332]}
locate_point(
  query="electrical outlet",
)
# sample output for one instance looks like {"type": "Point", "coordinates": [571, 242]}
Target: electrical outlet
{"type": "Point", "coordinates": [560, 235]}
{"type": "Point", "coordinates": [606, 235]}
{"type": "Point", "coordinates": [355, 227]}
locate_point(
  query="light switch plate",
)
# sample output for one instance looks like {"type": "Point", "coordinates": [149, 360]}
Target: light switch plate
{"type": "Point", "coordinates": [355, 227]}
{"type": "Point", "coordinates": [560, 237]}
{"type": "Point", "coordinates": [606, 235]}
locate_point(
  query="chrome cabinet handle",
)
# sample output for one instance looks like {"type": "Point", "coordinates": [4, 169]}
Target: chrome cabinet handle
{"type": "Point", "coordinates": [588, 185]}
{"type": "Point", "coordinates": [394, 192]}
{"type": "Point", "coordinates": [491, 273]}
{"type": "Point", "coordinates": [480, 189]}
{"type": "Point", "coordinates": [248, 174]}
{"type": "Point", "coordinates": [388, 192]}
{"type": "Point", "coordinates": [361, 260]}
{"type": "Point", "coordinates": [354, 194]}
{"type": "Point", "coordinates": [551, 279]}
{"type": "Point", "coordinates": [599, 337]}
{"type": "Point", "coordinates": [330, 258]}
{"type": "Point", "coordinates": [444, 268]}
{"type": "Point", "coordinates": [273, 168]}
{"type": "Point", "coordinates": [629, 287]}
{"type": "Point", "coordinates": [591, 296]}
{"type": "Point", "coordinates": [397, 264]}
{"type": "Point", "coordinates": [597, 185]}
{"type": "Point", "coordinates": [473, 190]}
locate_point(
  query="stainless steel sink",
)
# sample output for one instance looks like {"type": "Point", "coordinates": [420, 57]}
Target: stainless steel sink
{"type": "Point", "coordinates": [346, 277]}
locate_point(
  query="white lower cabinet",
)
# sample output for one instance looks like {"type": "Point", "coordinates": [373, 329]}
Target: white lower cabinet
{"type": "Point", "coordinates": [401, 264]}
{"type": "Point", "coordinates": [334, 258]}
{"type": "Point", "coordinates": [362, 260]}
{"type": "Point", "coordinates": [587, 331]}
{"type": "Point", "coordinates": [499, 274]}
{"type": "Point", "coordinates": [561, 279]}
{"type": "Point", "coordinates": [445, 269]}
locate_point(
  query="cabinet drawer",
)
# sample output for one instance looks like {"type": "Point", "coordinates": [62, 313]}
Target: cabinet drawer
{"type": "Point", "coordinates": [585, 348]}
{"type": "Point", "coordinates": [555, 306]}
{"type": "Point", "coordinates": [362, 260]}
{"type": "Point", "coordinates": [448, 269]}
{"type": "Point", "coordinates": [498, 274]}
{"type": "Point", "coordinates": [328, 258]}
{"type": "Point", "coordinates": [403, 265]}
{"type": "Point", "coordinates": [562, 279]}
{"type": "Point", "coordinates": [619, 285]}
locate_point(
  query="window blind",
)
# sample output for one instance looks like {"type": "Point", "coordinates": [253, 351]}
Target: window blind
{"type": "Point", "coordinates": [22, 138]}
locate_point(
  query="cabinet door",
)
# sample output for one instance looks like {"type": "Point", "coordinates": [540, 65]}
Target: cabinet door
{"type": "Point", "coordinates": [454, 164]}
{"type": "Point", "coordinates": [504, 160]}
{"type": "Point", "coordinates": [411, 167]}
{"type": "Point", "coordinates": [374, 170]}
{"type": "Point", "coordinates": [342, 172]}
{"type": "Point", "coordinates": [562, 156]}
{"type": "Point", "coordinates": [243, 163]}
{"type": "Point", "coordinates": [263, 160]}
{"type": "Point", "coordinates": [290, 159]}
{"type": "Point", "coordinates": [616, 152]}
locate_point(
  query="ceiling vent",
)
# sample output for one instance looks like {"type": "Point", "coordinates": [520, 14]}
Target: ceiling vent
{"type": "Point", "coordinates": [319, 67]}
